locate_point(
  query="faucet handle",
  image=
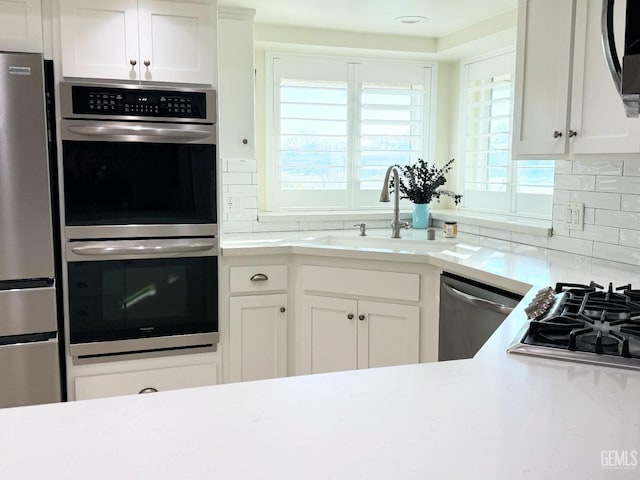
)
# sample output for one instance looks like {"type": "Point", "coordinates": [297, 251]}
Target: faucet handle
{"type": "Point", "coordinates": [363, 228]}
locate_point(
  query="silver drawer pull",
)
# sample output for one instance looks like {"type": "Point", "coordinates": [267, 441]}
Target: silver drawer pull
{"type": "Point", "coordinates": [148, 390]}
{"type": "Point", "coordinates": [259, 277]}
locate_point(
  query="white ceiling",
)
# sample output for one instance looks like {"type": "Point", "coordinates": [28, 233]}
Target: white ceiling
{"type": "Point", "coordinates": [375, 16]}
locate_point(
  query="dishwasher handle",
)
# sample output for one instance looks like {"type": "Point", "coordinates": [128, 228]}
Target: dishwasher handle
{"type": "Point", "coordinates": [478, 302]}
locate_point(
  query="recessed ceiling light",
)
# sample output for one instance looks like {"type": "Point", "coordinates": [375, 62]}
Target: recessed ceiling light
{"type": "Point", "coordinates": [411, 19]}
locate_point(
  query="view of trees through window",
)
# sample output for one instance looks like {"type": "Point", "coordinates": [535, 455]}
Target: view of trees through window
{"type": "Point", "coordinates": [339, 124]}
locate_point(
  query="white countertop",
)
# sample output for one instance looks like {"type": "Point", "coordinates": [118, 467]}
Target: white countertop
{"type": "Point", "coordinates": [496, 416]}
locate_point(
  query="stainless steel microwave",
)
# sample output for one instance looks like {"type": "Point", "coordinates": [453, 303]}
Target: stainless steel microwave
{"type": "Point", "coordinates": [626, 77]}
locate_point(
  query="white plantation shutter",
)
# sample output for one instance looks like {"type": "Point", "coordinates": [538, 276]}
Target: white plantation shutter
{"type": "Point", "coordinates": [338, 124]}
{"type": "Point", "coordinates": [492, 180]}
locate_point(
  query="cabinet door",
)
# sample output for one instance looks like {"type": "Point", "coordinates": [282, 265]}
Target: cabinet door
{"type": "Point", "coordinates": [543, 66]}
{"type": "Point", "coordinates": [20, 26]}
{"type": "Point", "coordinates": [388, 334]}
{"type": "Point", "coordinates": [99, 38]}
{"type": "Point", "coordinates": [177, 42]}
{"type": "Point", "coordinates": [329, 337]}
{"type": "Point", "coordinates": [258, 337]}
{"type": "Point", "coordinates": [236, 87]}
{"type": "Point", "coordinates": [597, 112]}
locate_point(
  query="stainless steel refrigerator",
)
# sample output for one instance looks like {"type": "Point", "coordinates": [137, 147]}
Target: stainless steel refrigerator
{"type": "Point", "coordinates": [29, 353]}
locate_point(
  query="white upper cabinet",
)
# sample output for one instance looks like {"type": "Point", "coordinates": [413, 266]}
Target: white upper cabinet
{"type": "Point", "coordinates": [543, 62]}
{"type": "Point", "coordinates": [565, 100]}
{"type": "Point", "coordinates": [143, 40]}
{"type": "Point", "coordinates": [20, 26]}
{"type": "Point", "coordinates": [237, 83]}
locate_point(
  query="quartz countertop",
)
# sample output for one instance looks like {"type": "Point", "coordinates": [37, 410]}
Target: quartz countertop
{"type": "Point", "coordinates": [495, 416]}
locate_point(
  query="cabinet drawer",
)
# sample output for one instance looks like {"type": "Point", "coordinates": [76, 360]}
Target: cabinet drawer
{"type": "Point", "coordinates": [362, 283]}
{"type": "Point", "coordinates": [132, 383]}
{"type": "Point", "coordinates": [258, 279]}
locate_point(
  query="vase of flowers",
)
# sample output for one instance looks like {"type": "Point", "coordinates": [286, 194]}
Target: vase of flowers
{"type": "Point", "coordinates": [421, 183]}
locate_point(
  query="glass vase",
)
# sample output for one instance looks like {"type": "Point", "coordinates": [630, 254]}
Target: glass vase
{"type": "Point", "coordinates": [420, 215]}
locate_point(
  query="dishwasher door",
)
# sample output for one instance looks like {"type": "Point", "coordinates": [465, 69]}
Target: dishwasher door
{"type": "Point", "coordinates": [469, 314]}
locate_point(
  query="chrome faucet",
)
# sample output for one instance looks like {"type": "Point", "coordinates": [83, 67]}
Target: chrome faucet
{"type": "Point", "coordinates": [396, 224]}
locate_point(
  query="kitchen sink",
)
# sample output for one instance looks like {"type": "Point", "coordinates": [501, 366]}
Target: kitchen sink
{"type": "Point", "coordinates": [383, 243]}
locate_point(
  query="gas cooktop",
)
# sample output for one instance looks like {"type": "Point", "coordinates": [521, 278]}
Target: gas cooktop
{"type": "Point", "coordinates": [584, 323]}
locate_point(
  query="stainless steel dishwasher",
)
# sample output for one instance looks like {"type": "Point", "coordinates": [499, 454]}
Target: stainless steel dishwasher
{"type": "Point", "coordinates": [469, 313]}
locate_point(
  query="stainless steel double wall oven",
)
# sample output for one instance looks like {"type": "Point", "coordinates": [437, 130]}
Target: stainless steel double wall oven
{"type": "Point", "coordinates": [140, 219]}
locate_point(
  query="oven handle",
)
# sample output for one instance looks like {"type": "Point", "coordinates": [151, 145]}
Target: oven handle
{"type": "Point", "coordinates": [141, 249]}
{"type": "Point", "coordinates": [138, 130]}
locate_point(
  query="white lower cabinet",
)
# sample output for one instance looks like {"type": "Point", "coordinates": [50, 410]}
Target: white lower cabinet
{"type": "Point", "coordinates": [343, 328]}
{"type": "Point", "coordinates": [258, 316]}
{"type": "Point", "coordinates": [345, 334]}
{"type": "Point", "coordinates": [258, 337]}
{"type": "Point", "coordinates": [145, 381]}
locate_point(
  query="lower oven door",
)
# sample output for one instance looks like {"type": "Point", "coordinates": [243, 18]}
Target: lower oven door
{"type": "Point", "coordinates": [142, 296]}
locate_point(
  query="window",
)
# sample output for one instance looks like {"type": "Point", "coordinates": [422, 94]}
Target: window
{"type": "Point", "coordinates": [337, 124]}
{"type": "Point", "coordinates": [491, 180]}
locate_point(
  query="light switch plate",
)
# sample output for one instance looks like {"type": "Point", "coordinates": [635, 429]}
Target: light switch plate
{"type": "Point", "coordinates": [574, 216]}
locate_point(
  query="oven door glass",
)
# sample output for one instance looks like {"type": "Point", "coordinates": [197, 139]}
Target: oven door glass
{"type": "Point", "coordinates": [115, 183]}
{"type": "Point", "coordinates": [131, 299]}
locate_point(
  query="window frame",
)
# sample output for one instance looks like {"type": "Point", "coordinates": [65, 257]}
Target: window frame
{"type": "Point", "coordinates": [512, 199]}
{"type": "Point", "coordinates": [353, 134]}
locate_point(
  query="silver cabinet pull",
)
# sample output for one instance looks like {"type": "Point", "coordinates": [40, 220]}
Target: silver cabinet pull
{"type": "Point", "coordinates": [350, 316]}
{"type": "Point", "coordinates": [245, 141]}
{"type": "Point", "coordinates": [133, 62]}
{"type": "Point", "coordinates": [361, 318]}
{"type": "Point", "coordinates": [147, 63]}
{"type": "Point", "coordinates": [282, 309]}
{"type": "Point", "coordinates": [259, 277]}
{"type": "Point", "coordinates": [478, 302]}
{"type": "Point", "coordinates": [148, 390]}
{"type": "Point", "coordinates": [111, 249]}
{"type": "Point", "coordinates": [572, 133]}
{"type": "Point", "coordinates": [557, 134]}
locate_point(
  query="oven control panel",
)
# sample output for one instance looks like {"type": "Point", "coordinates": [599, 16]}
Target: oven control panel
{"type": "Point", "coordinates": [138, 102]}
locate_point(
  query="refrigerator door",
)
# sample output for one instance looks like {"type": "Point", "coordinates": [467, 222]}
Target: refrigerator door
{"type": "Point", "coordinates": [30, 373]}
{"type": "Point", "coordinates": [26, 237]}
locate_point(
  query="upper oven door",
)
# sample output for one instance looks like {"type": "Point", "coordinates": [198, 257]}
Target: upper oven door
{"type": "Point", "coordinates": [128, 180]}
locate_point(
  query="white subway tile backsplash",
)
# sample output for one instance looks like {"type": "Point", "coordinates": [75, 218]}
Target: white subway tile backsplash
{"type": "Point", "coordinates": [231, 226]}
{"type": "Point", "coordinates": [631, 203]}
{"type": "Point", "coordinates": [559, 229]}
{"type": "Point", "coordinates": [597, 233]}
{"type": "Point", "coordinates": [618, 184]}
{"type": "Point", "coordinates": [238, 178]}
{"type": "Point", "coordinates": [571, 245]}
{"type": "Point", "coordinates": [293, 226]}
{"type": "Point", "coordinates": [495, 233]}
{"type": "Point", "coordinates": [608, 201]}
{"type": "Point", "coordinates": [248, 190]}
{"type": "Point", "coordinates": [617, 253]}
{"type": "Point", "coordinates": [575, 182]}
{"type": "Point", "coordinates": [241, 166]}
{"type": "Point", "coordinates": [597, 167]}
{"type": "Point", "coordinates": [563, 167]}
{"type": "Point", "coordinates": [561, 197]}
{"type": "Point", "coordinates": [630, 238]}
{"type": "Point", "coordinates": [631, 168]}
{"type": "Point", "coordinates": [589, 215]}
{"type": "Point", "coordinates": [612, 218]}
{"type": "Point", "coordinates": [527, 239]}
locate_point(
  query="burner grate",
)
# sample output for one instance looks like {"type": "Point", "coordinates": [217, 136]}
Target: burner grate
{"type": "Point", "coordinates": [591, 319]}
